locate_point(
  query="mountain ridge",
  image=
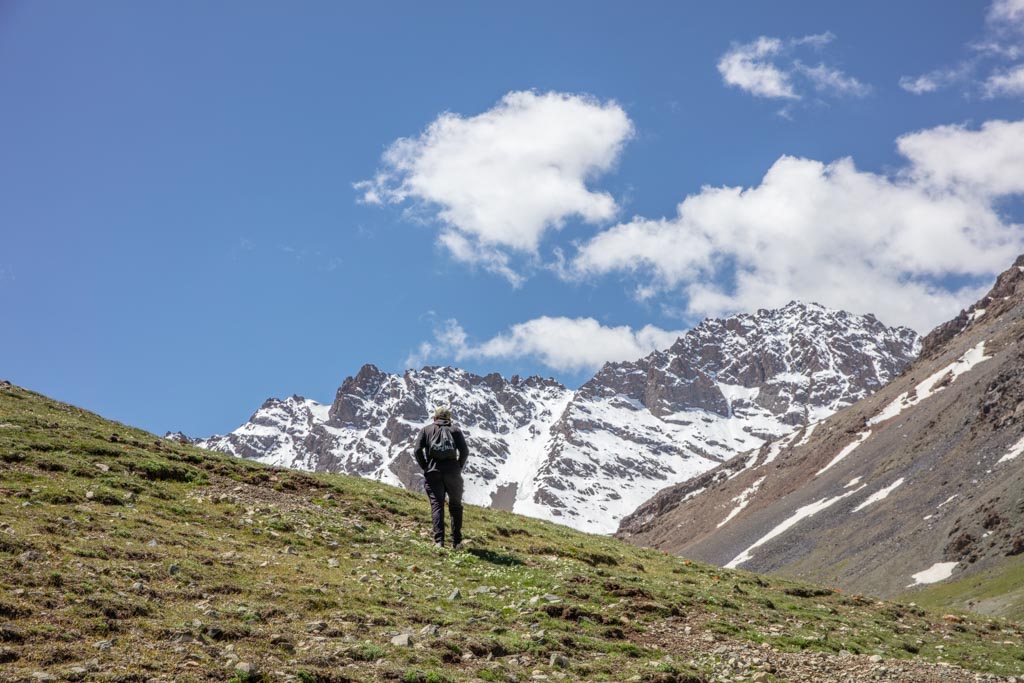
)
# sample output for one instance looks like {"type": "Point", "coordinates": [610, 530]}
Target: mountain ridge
{"type": "Point", "coordinates": [588, 457]}
{"type": "Point", "coordinates": [904, 488]}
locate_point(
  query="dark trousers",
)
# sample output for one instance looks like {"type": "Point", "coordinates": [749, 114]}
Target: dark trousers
{"type": "Point", "coordinates": [439, 485]}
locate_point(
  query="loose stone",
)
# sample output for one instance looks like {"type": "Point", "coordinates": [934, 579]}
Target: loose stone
{"type": "Point", "coordinates": [559, 660]}
{"type": "Point", "coordinates": [403, 640]}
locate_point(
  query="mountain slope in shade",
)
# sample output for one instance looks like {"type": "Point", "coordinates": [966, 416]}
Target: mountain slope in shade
{"type": "Point", "coordinates": [916, 483]}
{"type": "Point", "coordinates": [588, 457]}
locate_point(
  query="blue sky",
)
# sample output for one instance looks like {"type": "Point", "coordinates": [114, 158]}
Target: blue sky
{"type": "Point", "coordinates": [203, 204]}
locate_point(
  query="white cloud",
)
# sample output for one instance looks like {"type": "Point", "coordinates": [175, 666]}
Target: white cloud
{"type": "Point", "coordinates": [1002, 41]}
{"type": "Point", "coordinates": [449, 340]}
{"type": "Point", "coordinates": [816, 40]}
{"type": "Point", "coordinates": [746, 67]}
{"type": "Point", "coordinates": [988, 162]}
{"type": "Point", "coordinates": [564, 344]}
{"type": "Point", "coordinates": [921, 84]}
{"type": "Point", "coordinates": [491, 258]}
{"type": "Point", "coordinates": [938, 79]}
{"type": "Point", "coordinates": [500, 180]}
{"type": "Point", "coordinates": [826, 79]}
{"type": "Point", "coordinates": [1006, 83]}
{"type": "Point", "coordinates": [996, 49]}
{"type": "Point", "coordinates": [1007, 13]}
{"type": "Point", "coordinates": [836, 235]}
{"type": "Point", "coordinates": [766, 68]}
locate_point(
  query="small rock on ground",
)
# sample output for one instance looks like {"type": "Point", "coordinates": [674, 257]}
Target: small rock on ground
{"type": "Point", "coordinates": [559, 660]}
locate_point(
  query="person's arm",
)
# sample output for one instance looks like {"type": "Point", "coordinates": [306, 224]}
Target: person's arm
{"type": "Point", "coordinates": [460, 445]}
{"type": "Point", "coordinates": [420, 451]}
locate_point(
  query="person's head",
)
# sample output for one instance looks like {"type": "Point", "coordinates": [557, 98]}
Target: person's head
{"type": "Point", "coordinates": [443, 413]}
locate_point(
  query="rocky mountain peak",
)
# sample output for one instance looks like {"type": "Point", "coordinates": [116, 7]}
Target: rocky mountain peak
{"type": "Point", "coordinates": [921, 480]}
{"type": "Point", "coordinates": [588, 457]}
{"type": "Point", "coordinates": [1006, 294]}
{"type": "Point", "coordinates": [365, 382]}
{"type": "Point", "coordinates": [795, 355]}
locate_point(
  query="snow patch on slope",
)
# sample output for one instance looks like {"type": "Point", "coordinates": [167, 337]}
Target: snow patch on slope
{"type": "Point", "coordinates": [807, 434]}
{"type": "Point", "coordinates": [1014, 452]}
{"type": "Point", "coordinates": [742, 501]}
{"type": "Point", "coordinates": [939, 571]}
{"type": "Point", "coordinates": [879, 495]}
{"type": "Point", "coordinates": [784, 526]}
{"type": "Point", "coordinates": [933, 384]}
{"type": "Point", "coordinates": [850, 448]}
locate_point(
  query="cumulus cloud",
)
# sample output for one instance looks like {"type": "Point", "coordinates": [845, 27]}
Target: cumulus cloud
{"type": "Point", "coordinates": [835, 234]}
{"type": "Point", "coordinates": [498, 181]}
{"type": "Point", "coordinates": [988, 162]}
{"type": "Point", "coordinates": [563, 344]}
{"type": "Point", "coordinates": [767, 67]}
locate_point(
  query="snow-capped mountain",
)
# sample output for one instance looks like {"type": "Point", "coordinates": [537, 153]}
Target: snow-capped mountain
{"type": "Point", "coordinates": [917, 483]}
{"type": "Point", "coordinates": [588, 457]}
{"type": "Point", "coordinates": [723, 388]}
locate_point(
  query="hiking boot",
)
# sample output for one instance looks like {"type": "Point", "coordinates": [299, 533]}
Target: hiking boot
{"type": "Point", "coordinates": [439, 545]}
{"type": "Point", "coordinates": [458, 546]}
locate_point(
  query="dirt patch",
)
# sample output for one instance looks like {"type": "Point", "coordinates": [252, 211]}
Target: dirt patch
{"type": "Point", "coordinates": [620, 591]}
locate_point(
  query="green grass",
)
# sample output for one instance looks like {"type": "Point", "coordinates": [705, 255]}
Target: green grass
{"type": "Point", "coordinates": [181, 563]}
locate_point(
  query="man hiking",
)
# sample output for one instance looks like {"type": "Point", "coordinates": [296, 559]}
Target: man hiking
{"type": "Point", "coordinates": [441, 452]}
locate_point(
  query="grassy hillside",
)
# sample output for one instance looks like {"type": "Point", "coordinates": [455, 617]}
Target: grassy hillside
{"type": "Point", "coordinates": [998, 591]}
{"type": "Point", "coordinates": [127, 557]}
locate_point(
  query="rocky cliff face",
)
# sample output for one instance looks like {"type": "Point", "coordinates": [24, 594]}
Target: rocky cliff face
{"type": "Point", "coordinates": [588, 457]}
{"type": "Point", "coordinates": [723, 388]}
{"type": "Point", "coordinates": [917, 482]}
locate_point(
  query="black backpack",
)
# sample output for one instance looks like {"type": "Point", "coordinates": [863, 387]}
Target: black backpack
{"type": "Point", "coordinates": [442, 445]}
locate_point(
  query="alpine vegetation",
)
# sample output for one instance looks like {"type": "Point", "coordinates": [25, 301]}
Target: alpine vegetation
{"type": "Point", "coordinates": [124, 556]}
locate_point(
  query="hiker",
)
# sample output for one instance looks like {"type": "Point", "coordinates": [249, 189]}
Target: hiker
{"type": "Point", "coordinates": [441, 452]}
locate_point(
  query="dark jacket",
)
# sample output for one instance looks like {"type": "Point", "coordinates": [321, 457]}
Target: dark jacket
{"type": "Point", "coordinates": [422, 451]}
